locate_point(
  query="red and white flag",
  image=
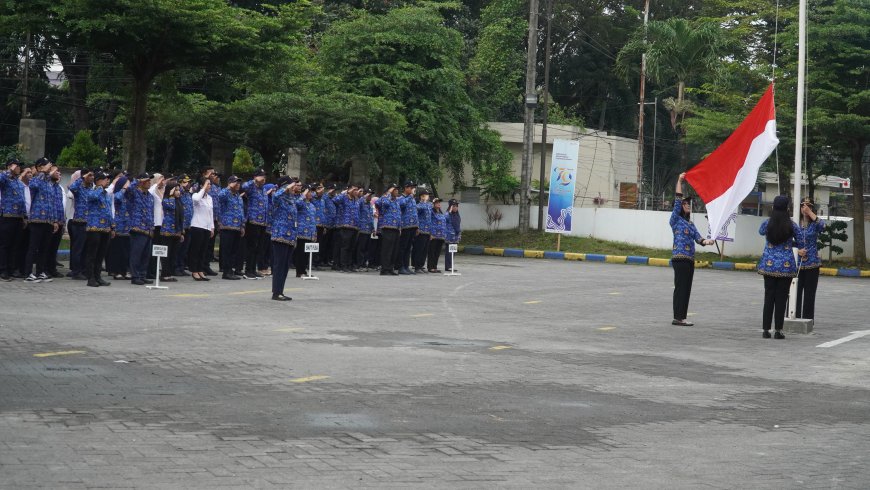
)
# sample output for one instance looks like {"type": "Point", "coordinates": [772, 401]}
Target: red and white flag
{"type": "Point", "coordinates": [727, 176]}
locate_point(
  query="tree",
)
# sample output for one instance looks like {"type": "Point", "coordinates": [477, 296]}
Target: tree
{"type": "Point", "coordinates": [678, 52]}
{"type": "Point", "coordinates": [838, 80]}
{"type": "Point", "coordinates": [82, 152]}
{"type": "Point", "coordinates": [158, 36]}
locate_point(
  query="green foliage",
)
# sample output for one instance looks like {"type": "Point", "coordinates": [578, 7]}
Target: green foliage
{"type": "Point", "coordinates": [243, 163]}
{"type": "Point", "coordinates": [82, 152]}
{"type": "Point", "coordinates": [834, 230]}
{"type": "Point", "coordinates": [497, 182]}
{"type": "Point", "coordinates": [9, 152]}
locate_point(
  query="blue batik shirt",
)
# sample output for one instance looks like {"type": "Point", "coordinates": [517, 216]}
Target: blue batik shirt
{"type": "Point", "coordinates": [122, 214]}
{"type": "Point", "coordinates": [365, 218]}
{"type": "Point", "coordinates": [685, 234]}
{"type": "Point", "coordinates": [389, 213]}
{"type": "Point", "coordinates": [284, 217]}
{"type": "Point", "coordinates": [439, 225]}
{"type": "Point", "coordinates": [80, 201]}
{"type": "Point", "coordinates": [12, 204]}
{"type": "Point", "coordinates": [810, 236]}
{"type": "Point", "coordinates": [187, 207]}
{"type": "Point", "coordinates": [424, 217]}
{"type": "Point", "coordinates": [306, 227]}
{"type": "Point", "coordinates": [778, 260]}
{"type": "Point", "coordinates": [329, 212]}
{"type": "Point", "coordinates": [140, 205]}
{"type": "Point", "coordinates": [99, 209]}
{"type": "Point", "coordinates": [453, 228]}
{"type": "Point", "coordinates": [42, 200]}
{"type": "Point", "coordinates": [317, 201]}
{"type": "Point", "coordinates": [409, 211]}
{"type": "Point", "coordinates": [170, 226]}
{"type": "Point", "coordinates": [346, 211]}
{"type": "Point", "coordinates": [257, 211]}
{"type": "Point", "coordinates": [231, 210]}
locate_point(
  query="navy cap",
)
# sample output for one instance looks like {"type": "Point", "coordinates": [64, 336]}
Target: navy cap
{"type": "Point", "coordinates": [233, 179]}
{"type": "Point", "coordinates": [284, 180]}
{"type": "Point", "coordinates": [452, 202]}
{"type": "Point", "coordinates": [145, 176]}
{"type": "Point", "coordinates": [423, 192]}
{"type": "Point", "coordinates": [437, 199]}
{"type": "Point", "coordinates": [41, 161]}
{"type": "Point", "coordinates": [12, 161]}
{"type": "Point", "coordinates": [330, 187]}
{"type": "Point", "coordinates": [259, 172]}
{"type": "Point", "coordinates": [410, 183]}
{"type": "Point", "coordinates": [100, 176]}
{"type": "Point", "coordinates": [780, 203]}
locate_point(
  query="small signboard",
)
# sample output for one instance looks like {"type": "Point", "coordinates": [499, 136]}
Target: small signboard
{"type": "Point", "coordinates": [312, 247]}
{"type": "Point", "coordinates": [160, 250]}
{"type": "Point", "coordinates": [452, 248]}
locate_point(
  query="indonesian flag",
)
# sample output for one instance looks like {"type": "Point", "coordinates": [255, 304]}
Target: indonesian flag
{"type": "Point", "coordinates": [728, 175]}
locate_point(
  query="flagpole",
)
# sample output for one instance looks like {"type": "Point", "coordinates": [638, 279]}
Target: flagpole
{"type": "Point", "coordinates": [799, 134]}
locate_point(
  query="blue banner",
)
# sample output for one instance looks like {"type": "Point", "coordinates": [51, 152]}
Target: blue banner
{"type": "Point", "coordinates": [563, 176]}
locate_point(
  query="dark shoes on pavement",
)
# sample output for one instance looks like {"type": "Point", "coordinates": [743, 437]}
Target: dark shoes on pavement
{"type": "Point", "coordinates": [281, 297]}
{"type": "Point", "coordinates": [777, 335]}
{"type": "Point", "coordinates": [682, 323]}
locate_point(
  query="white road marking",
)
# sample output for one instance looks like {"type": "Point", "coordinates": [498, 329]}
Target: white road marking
{"type": "Point", "coordinates": [855, 335]}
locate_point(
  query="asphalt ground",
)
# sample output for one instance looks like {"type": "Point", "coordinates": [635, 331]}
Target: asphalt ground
{"type": "Point", "coordinates": [517, 374]}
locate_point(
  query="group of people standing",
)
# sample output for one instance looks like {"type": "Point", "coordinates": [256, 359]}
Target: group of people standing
{"type": "Point", "coordinates": [778, 264]}
{"type": "Point", "coordinates": [114, 219]}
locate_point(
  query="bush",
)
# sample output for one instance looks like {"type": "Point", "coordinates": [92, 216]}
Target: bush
{"type": "Point", "coordinates": [82, 152]}
{"type": "Point", "coordinates": [243, 162]}
{"type": "Point", "coordinates": [834, 230]}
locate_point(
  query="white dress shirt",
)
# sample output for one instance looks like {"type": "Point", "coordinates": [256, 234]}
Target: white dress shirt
{"type": "Point", "coordinates": [203, 211]}
{"type": "Point", "coordinates": [158, 204]}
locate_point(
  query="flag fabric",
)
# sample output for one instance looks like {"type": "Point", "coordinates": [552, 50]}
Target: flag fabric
{"type": "Point", "coordinates": [728, 175]}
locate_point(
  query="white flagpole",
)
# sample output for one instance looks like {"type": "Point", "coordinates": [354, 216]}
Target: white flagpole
{"type": "Point", "coordinates": [799, 135]}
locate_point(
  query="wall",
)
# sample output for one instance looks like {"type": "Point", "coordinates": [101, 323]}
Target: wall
{"type": "Point", "coordinates": [644, 228]}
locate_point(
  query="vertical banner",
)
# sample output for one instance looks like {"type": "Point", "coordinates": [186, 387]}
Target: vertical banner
{"type": "Point", "coordinates": [563, 175]}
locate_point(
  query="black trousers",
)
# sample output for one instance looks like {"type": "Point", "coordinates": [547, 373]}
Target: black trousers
{"type": "Point", "coordinates": [300, 258]}
{"type": "Point", "coordinates": [406, 243]}
{"type": "Point", "coordinates": [152, 260]}
{"type": "Point", "coordinates": [11, 234]}
{"type": "Point", "coordinates": [281, 255]}
{"type": "Point", "coordinates": [374, 252]}
{"type": "Point", "coordinates": [37, 251]}
{"type": "Point", "coordinates": [361, 250]}
{"type": "Point", "coordinates": [20, 252]}
{"type": "Point", "coordinates": [167, 264]}
{"type": "Point", "coordinates": [255, 246]}
{"type": "Point", "coordinates": [389, 248]}
{"type": "Point", "coordinates": [684, 272]}
{"type": "Point", "coordinates": [210, 246]}
{"type": "Point", "coordinates": [323, 256]}
{"type": "Point", "coordinates": [96, 245]}
{"type": "Point", "coordinates": [231, 248]}
{"type": "Point", "coordinates": [77, 238]}
{"type": "Point", "coordinates": [118, 255]}
{"type": "Point", "coordinates": [775, 299]}
{"type": "Point", "coordinates": [345, 241]}
{"type": "Point", "coordinates": [421, 246]}
{"type": "Point", "coordinates": [808, 281]}
{"type": "Point", "coordinates": [434, 253]}
{"type": "Point", "coordinates": [140, 254]}
{"type": "Point", "coordinates": [53, 247]}
{"type": "Point", "coordinates": [199, 256]}
{"type": "Point", "coordinates": [181, 256]}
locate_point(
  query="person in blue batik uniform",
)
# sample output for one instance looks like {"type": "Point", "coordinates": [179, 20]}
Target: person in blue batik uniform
{"type": "Point", "coordinates": [13, 211]}
{"type": "Point", "coordinates": [284, 219]}
{"type": "Point", "coordinates": [421, 241]}
{"type": "Point", "coordinates": [452, 232]}
{"type": "Point", "coordinates": [118, 254]}
{"type": "Point", "coordinates": [306, 229]}
{"type": "Point", "coordinates": [389, 227]}
{"type": "Point", "coordinates": [777, 264]}
{"type": "Point", "coordinates": [257, 214]}
{"type": "Point", "coordinates": [171, 229]}
{"type": "Point", "coordinates": [231, 218]}
{"type": "Point", "coordinates": [683, 254]}
{"type": "Point", "coordinates": [346, 228]}
{"type": "Point", "coordinates": [438, 230]}
{"type": "Point", "coordinates": [42, 223]}
{"type": "Point", "coordinates": [365, 220]}
{"type": "Point", "coordinates": [100, 227]}
{"type": "Point", "coordinates": [410, 227]}
{"type": "Point", "coordinates": [184, 183]}
{"type": "Point", "coordinates": [810, 262]}
{"type": "Point", "coordinates": [140, 205]}
{"type": "Point", "coordinates": [76, 226]}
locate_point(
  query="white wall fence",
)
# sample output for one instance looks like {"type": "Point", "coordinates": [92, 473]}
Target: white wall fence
{"type": "Point", "coordinates": [644, 228]}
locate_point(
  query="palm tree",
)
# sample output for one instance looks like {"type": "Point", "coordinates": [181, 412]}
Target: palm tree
{"type": "Point", "coordinates": [678, 52]}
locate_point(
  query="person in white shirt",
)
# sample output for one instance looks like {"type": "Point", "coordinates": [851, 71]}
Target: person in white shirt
{"type": "Point", "coordinates": [157, 190]}
{"type": "Point", "coordinates": [201, 231]}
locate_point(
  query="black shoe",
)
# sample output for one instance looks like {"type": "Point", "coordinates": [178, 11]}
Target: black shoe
{"type": "Point", "coordinates": [102, 282]}
{"type": "Point", "coordinates": [69, 274]}
{"type": "Point", "coordinates": [405, 272]}
{"type": "Point", "coordinates": [79, 277]}
{"type": "Point", "coordinates": [682, 323]}
{"type": "Point", "coordinates": [766, 334]}
{"type": "Point", "coordinates": [18, 275]}
{"type": "Point", "coordinates": [55, 274]}
{"type": "Point", "coordinates": [92, 283]}
{"type": "Point", "coordinates": [147, 281]}
{"type": "Point", "coordinates": [778, 335]}
{"type": "Point", "coordinates": [386, 273]}
{"type": "Point", "coordinates": [230, 277]}
{"type": "Point", "coordinates": [181, 273]}
{"type": "Point", "coordinates": [210, 272]}
{"type": "Point", "coordinates": [5, 278]}
{"type": "Point", "coordinates": [281, 297]}
{"type": "Point", "coordinates": [137, 282]}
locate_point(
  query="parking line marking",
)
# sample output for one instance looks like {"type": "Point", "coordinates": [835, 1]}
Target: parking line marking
{"type": "Point", "coordinates": [59, 353]}
{"type": "Point", "coordinates": [607, 328]}
{"type": "Point", "coordinates": [190, 295]}
{"type": "Point", "coordinates": [307, 379]}
{"type": "Point", "coordinates": [422, 315]}
{"type": "Point", "coordinates": [615, 293]}
{"type": "Point", "coordinates": [256, 291]}
{"type": "Point", "coordinates": [531, 302]}
{"type": "Point", "coordinates": [691, 314]}
{"type": "Point", "coordinates": [292, 329]}
{"type": "Point", "coordinates": [853, 336]}
{"type": "Point", "coordinates": [500, 347]}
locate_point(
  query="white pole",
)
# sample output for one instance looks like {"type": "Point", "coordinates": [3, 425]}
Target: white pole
{"type": "Point", "coordinates": [799, 134]}
{"type": "Point", "coordinates": [310, 264]}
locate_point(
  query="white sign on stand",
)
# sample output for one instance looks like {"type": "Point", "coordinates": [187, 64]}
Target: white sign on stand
{"type": "Point", "coordinates": [452, 248]}
{"type": "Point", "coordinates": [158, 251]}
{"type": "Point", "coordinates": [311, 249]}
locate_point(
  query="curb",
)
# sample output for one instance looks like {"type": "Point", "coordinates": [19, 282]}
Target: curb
{"type": "Point", "coordinates": [632, 260]}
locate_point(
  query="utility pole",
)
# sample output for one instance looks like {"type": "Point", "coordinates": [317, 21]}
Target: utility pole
{"type": "Point", "coordinates": [531, 101]}
{"type": "Point", "coordinates": [642, 107]}
{"type": "Point", "coordinates": [545, 113]}
{"type": "Point", "coordinates": [26, 80]}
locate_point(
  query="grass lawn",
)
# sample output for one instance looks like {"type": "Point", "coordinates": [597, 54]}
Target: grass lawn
{"type": "Point", "coordinates": [547, 241]}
